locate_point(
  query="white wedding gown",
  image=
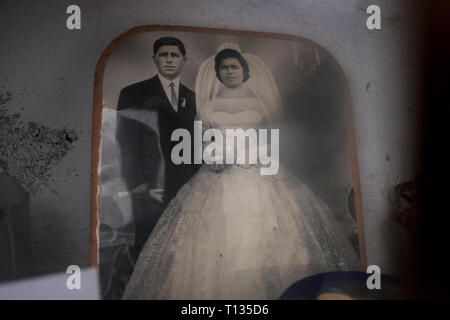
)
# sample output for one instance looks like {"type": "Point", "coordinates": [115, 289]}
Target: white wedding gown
{"type": "Point", "coordinates": [237, 234]}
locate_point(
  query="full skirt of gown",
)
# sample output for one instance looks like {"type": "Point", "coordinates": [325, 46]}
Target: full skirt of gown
{"type": "Point", "coordinates": [236, 234]}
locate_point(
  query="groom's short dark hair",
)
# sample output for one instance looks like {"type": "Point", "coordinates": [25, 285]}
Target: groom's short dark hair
{"type": "Point", "coordinates": [168, 41]}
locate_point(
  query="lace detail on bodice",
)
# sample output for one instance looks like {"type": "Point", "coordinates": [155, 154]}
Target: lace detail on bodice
{"type": "Point", "coordinates": [235, 105]}
{"type": "Point", "coordinates": [235, 114]}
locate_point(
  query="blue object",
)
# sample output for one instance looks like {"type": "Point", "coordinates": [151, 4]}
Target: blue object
{"type": "Point", "coordinates": [350, 283]}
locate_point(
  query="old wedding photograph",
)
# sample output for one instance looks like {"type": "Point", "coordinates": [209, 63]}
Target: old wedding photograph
{"type": "Point", "coordinates": [227, 166]}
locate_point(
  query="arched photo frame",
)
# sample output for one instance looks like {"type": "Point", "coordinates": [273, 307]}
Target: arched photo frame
{"type": "Point", "coordinates": [318, 147]}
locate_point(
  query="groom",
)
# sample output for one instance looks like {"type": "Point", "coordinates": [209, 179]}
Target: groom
{"type": "Point", "coordinates": [148, 113]}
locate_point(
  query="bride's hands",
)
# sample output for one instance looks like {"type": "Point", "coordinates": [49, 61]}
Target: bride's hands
{"type": "Point", "coordinates": [217, 167]}
{"type": "Point", "coordinates": [156, 194]}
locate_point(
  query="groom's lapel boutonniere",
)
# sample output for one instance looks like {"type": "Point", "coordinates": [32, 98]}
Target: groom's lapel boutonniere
{"type": "Point", "coordinates": [183, 102]}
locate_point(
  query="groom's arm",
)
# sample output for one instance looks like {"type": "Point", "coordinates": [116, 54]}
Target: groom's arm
{"type": "Point", "coordinates": [127, 98]}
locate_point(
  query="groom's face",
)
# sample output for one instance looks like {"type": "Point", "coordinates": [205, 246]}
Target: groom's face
{"type": "Point", "coordinates": [169, 61]}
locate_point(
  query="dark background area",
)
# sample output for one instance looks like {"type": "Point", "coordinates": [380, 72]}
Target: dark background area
{"type": "Point", "coordinates": [428, 271]}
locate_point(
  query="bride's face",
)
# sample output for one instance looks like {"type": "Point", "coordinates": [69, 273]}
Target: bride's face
{"type": "Point", "coordinates": [231, 72]}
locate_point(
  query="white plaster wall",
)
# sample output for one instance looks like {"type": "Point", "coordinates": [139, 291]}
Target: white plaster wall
{"type": "Point", "coordinates": [49, 71]}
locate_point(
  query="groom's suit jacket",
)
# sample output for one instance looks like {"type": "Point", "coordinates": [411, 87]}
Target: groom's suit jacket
{"type": "Point", "coordinates": [145, 122]}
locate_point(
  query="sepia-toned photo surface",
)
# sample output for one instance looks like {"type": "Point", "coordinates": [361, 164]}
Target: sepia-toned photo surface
{"type": "Point", "coordinates": [186, 212]}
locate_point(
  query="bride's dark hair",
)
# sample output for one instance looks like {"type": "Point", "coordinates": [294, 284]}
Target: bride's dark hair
{"type": "Point", "coordinates": [230, 53]}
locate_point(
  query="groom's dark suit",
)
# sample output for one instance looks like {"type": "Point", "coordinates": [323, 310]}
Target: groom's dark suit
{"type": "Point", "coordinates": [145, 122]}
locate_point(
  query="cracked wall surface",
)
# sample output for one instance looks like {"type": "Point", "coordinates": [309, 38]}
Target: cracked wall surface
{"type": "Point", "coordinates": [47, 80]}
{"type": "Point", "coordinates": [28, 151]}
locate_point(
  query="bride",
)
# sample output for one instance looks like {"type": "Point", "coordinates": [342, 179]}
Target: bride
{"type": "Point", "coordinates": [230, 232]}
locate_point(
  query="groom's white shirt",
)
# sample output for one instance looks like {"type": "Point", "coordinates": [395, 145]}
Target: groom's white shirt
{"type": "Point", "coordinates": [166, 86]}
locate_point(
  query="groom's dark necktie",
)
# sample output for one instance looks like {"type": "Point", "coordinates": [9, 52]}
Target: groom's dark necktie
{"type": "Point", "coordinates": [173, 96]}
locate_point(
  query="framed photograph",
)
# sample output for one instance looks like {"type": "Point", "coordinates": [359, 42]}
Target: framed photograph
{"type": "Point", "coordinates": [224, 165]}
